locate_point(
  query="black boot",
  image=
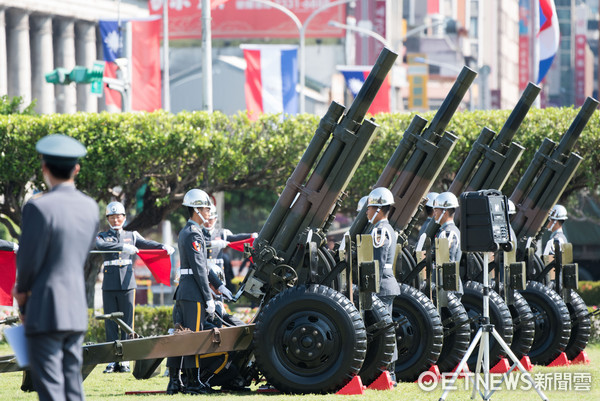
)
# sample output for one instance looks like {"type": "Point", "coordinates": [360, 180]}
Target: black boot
{"type": "Point", "coordinates": [193, 384]}
{"type": "Point", "coordinates": [174, 385]}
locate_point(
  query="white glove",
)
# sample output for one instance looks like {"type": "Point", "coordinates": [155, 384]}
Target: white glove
{"type": "Point", "coordinates": [219, 243]}
{"type": "Point", "coordinates": [15, 248]}
{"type": "Point", "coordinates": [225, 292]}
{"type": "Point", "coordinates": [130, 249]}
{"type": "Point", "coordinates": [210, 306]}
{"type": "Point", "coordinates": [169, 249]}
{"type": "Point", "coordinates": [254, 235]}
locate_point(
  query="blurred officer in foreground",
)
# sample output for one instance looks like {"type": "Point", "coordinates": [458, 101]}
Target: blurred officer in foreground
{"type": "Point", "coordinates": [557, 218]}
{"type": "Point", "coordinates": [57, 233]}
{"type": "Point", "coordinates": [118, 286]}
{"type": "Point", "coordinates": [379, 203]}
{"type": "Point", "coordinates": [8, 246]}
{"type": "Point", "coordinates": [193, 294]}
{"type": "Point", "coordinates": [444, 208]}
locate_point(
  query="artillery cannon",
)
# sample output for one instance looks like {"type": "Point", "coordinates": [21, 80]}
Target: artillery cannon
{"type": "Point", "coordinates": [554, 304]}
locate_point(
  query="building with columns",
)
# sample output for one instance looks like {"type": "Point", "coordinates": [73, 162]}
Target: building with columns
{"type": "Point", "coordinates": [37, 36]}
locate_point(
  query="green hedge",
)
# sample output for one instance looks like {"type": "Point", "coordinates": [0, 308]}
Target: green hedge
{"type": "Point", "coordinates": [590, 292]}
{"type": "Point", "coordinates": [148, 321]}
{"type": "Point", "coordinates": [174, 152]}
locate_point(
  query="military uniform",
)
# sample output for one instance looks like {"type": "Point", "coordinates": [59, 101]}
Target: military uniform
{"type": "Point", "coordinates": [118, 286]}
{"type": "Point", "coordinates": [556, 235]}
{"type": "Point", "coordinates": [217, 257]}
{"type": "Point", "coordinates": [7, 245]}
{"type": "Point", "coordinates": [450, 231]}
{"type": "Point", "coordinates": [384, 241]}
{"type": "Point", "coordinates": [57, 233]}
{"type": "Point", "coordinates": [194, 290]}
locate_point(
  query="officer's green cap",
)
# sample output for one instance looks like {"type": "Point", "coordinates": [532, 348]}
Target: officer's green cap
{"type": "Point", "coordinates": [60, 150]}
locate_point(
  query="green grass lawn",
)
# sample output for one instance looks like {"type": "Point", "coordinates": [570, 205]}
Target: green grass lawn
{"type": "Point", "coordinates": [99, 386]}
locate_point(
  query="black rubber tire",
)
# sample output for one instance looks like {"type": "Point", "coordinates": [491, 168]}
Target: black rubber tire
{"type": "Point", "coordinates": [455, 344]}
{"type": "Point", "coordinates": [523, 326]}
{"type": "Point", "coordinates": [380, 348]}
{"type": "Point", "coordinates": [309, 339]}
{"type": "Point", "coordinates": [581, 326]}
{"type": "Point", "coordinates": [552, 323]}
{"type": "Point", "coordinates": [408, 265]}
{"type": "Point", "coordinates": [419, 334]}
{"type": "Point", "coordinates": [500, 317]}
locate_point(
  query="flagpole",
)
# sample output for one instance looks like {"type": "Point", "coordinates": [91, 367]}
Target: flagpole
{"type": "Point", "coordinates": [207, 97]}
{"type": "Point", "coordinates": [535, 49]}
{"type": "Point", "coordinates": [166, 72]}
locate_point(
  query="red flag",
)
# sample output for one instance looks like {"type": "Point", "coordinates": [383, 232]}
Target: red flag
{"type": "Point", "coordinates": [145, 74]}
{"type": "Point", "coordinates": [159, 263]}
{"type": "Point", "coordinates": [8, 273]}
{"type": "Point", "coordinates": [239, 245]}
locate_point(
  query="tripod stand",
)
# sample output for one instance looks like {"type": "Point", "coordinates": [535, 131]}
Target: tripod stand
{"type": "Point", "coordinates": [483, 337]}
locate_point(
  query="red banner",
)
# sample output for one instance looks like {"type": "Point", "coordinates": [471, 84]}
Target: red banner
{"type": "Point", "coordinates": [580, 42]}
{"type": "Point", "coordinates": [239, 245]}
{"type": "Point", "coordinates": [8, 273]}
{"type": "Point", "coordinates": [524, 45]}
{"type": "Point", "coordinates": [158, 262]}
{"type": "Point", "coordinates": [244, 19]}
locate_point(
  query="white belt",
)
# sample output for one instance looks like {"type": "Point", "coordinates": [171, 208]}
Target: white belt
{"type": "Point", "coordinates": [389, 266]}
{"type": "Point", "coordinates": [117, 262]}
{"type": "Point", "coordinates": [212, 261]}
{"type": "Point", "coordinates": [184, 272]}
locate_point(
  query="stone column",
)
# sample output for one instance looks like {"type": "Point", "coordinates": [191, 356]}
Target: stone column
{"type": "Point", "coordinates": [42, 62]}
{"type": "Point", "coordinates": [3, 64]}
{"type": "Point", "coordinates": [85, 55]}
{"type": "Point", "coordinates": [64, 56]}
{"type": "Point", "coordinates": [18, 55]}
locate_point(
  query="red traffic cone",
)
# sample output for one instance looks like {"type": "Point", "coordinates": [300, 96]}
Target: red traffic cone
{"type": "Point", "coordinates": [462, 374]}
{"type": "Point", "coordinates": [383, 382]}
{"type": "Point", "coordinates": [526, 362]}
{"type": "Point", "coordinates": [562, 360]}
{"type": "Point", "coordinates": [432, 374]}
{"type": "Point", "coordinates": [354, 387]}
{"type": "Point", "coordinates": [501, 367]}
{"type": "Point", "coordinates": [581, 359]}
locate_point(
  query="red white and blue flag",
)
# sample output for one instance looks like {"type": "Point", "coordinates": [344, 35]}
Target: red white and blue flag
{"type": "Point", "coordinates": [547, 38]}
{"type": "Point", "coordinates": [144, 64]}
{"type": "Point", "coordinates": [355, 77]}
{"type": "Point", "coordinates": [271, 79]}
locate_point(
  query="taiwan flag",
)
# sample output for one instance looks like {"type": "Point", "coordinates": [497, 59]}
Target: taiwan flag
{"type": "Point", "coordinates": [144, 64]}
{"type": "Point", "coordinates": [546, 39]}
{"type": "Point", "coordinates": [355, 77]}
{"type": "Point", "coordinates": [271, 79]}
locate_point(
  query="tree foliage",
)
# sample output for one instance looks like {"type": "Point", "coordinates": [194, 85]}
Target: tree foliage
{"type": "Point", "coordinates": [173, 153]}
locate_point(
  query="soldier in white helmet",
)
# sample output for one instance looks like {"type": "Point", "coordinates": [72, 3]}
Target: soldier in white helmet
{"type": "Point", "coordinates": [118, 285]}
{"type": "Point", "coordinates": [444, 207]}
{"type": "Point", "coordinates": [379, 203]}
{"type": "Point", "coordinates": [557, 217]}
{"type": "Point", "coordinates": [429, 211]}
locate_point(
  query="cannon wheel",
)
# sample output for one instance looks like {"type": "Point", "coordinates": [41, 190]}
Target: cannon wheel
{"type": "Point", "coordinates": [500, 317]}
{"type": "Point", "coordinates": [457, 334]}
{"type": "Point", "coordinates": [309, 339]}
{"type": "Point", "coordinates": [523, 326]}
{"type": "Point", "coordinates": [581, 326]}
{"type": "Point", "coordinates": [380, 348]}
{"type": "Point", "coordinates": [552, 323]}
{"type": "Point", "coordinates": [419, 334]}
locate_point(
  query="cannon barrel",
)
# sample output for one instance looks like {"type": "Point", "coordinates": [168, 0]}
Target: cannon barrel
{"type": "Point", "coordinates": [548, 175]}
{"type": "Point", "coordinates": [500, 157]}
{"type": "Point", "coordinates": [422, 153]}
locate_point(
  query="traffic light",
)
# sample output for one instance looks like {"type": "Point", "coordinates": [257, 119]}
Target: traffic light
{"type": "Point", "coordinates": [58, 76]}
{"type": "Point", "coordinates": [78, 74]}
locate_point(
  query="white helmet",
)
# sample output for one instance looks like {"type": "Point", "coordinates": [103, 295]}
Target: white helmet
{"type": "Point", "coordinates": [512, 209]}
{"type": "Point", "coordinates": [196, 198]}
{"type": "Point", "coordinates": [430, 198]}
{"type": "Point", "coordinates": [361, 203]}
{"type": "Point", "coordinates": [558, 212]}
{"type": "Point", "coordinates": [445, 200]}
{"type": "Point", "coordinates": [213, 212]}
{"type": "Point", "coordinates": [380, 197]}
{"type": "Point", "coordinates": [115, 208]}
